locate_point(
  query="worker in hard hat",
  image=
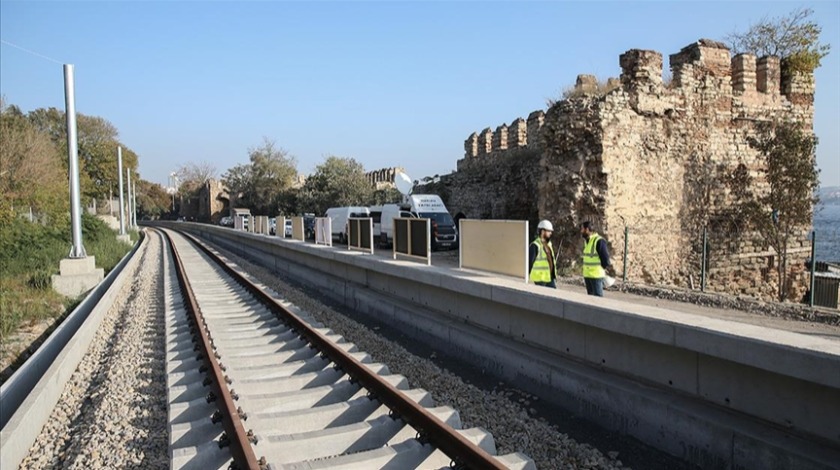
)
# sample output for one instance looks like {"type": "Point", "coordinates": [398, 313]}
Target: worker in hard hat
{"type": "Point", "coordinates": [596, 260]}
{"type": "Point", "coordinates": [541, 260]}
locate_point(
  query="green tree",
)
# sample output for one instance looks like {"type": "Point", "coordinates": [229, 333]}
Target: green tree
{"type": "Point", "coordinates": [192, 176]}
{"type": "Point", "coordinates": [795, 38]}
{"type": "Point", "coordinates": [385, 196]}
{"type": "Point", "coordinates": [97, 141]}
{"type": "Point", "coordinates": [31, 174]}
{"type": "Point", "coordinates": [782, 207]}
{"type": "Point", "coordinates": [264, 183]}
{"type": "Point", "coordinates": [237, 180]}
{"type": "Point", "coordinates": [152, 200]}
{"type": "Point", "coordinates": [337, 182]}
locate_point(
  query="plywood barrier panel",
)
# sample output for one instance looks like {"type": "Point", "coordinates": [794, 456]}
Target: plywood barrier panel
{"type": "Point", "coordinates": [297, 228]}
{"type": "Point", "coordinates": [412, 238]}
{"type": "Point", "coordinates": [498, 246]}
{"type": "Point", "coordinates": [323, 231]}
{"type": "Point", "coordinates": [360, 234]}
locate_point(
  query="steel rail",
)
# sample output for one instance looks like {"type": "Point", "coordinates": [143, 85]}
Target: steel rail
{"type": "Point", "coordinates": [430, 429]}
{"type": "Point", "coordinates": [237, 438]}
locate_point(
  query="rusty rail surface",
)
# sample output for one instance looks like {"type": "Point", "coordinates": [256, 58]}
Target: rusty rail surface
{"type": "Point", "coordinates": [463, 453]}
{"type": "Point", "coordinates": [238, 440]}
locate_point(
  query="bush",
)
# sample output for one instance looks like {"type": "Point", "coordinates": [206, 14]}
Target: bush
{"type": "Point", "coordinates": [30, 254]}
{"type": "Point", "coordinates": [41, 279]}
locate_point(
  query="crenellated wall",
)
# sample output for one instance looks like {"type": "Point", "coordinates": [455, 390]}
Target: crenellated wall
{"type": "Point", "coordinates": [383, 178]}
{"type": "Point", "coordinates": [482, 147]}
{"type": "Point", "coordinates": [645, 154]}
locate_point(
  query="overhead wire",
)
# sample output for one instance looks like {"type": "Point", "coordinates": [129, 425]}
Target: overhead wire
{"type": "Point", "coordinates": [30, 51]}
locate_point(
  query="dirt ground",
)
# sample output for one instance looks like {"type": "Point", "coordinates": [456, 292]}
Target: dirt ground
{"type": "Point", "coordinates": [20, 345]}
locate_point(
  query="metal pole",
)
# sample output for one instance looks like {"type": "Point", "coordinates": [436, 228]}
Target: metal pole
{"type": "Point", "coordinates": [703, 261]}
{"type": "Point", "coordinates": [813, 265]}
{"type": "Point", "coordinates": [111, 199]}
{"type": "Point", "coordinates": [78, 250]}
{"type": "Point", "coordinates": [134, 203]}
{"type": "Point", "coordinates": [128, 196]}
{"type": "Point", "coordinates": [624, 270]}
{"type": "Point", "coordinates": [120, 172]}
{"type": "Point", "coordinates": [172, 186]}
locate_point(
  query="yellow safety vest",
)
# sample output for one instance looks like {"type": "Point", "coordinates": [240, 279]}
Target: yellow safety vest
{"type": "Point", "coordinates": [592, 268]}
{"type": "Point", "coordinates": [541, 271]}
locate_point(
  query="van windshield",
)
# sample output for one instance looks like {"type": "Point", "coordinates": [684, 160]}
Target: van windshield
{"type": "Point", "coordinates": [442, 218]}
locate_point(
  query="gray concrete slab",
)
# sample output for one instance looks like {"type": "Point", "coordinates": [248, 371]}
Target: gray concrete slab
{"type": "Point", "coordinates": [352, 438]}
{"type": "Point", "coordinates": [206, 456]}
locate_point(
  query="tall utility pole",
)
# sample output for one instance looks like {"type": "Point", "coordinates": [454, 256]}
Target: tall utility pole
{"type": "Point", "coordinates": [128, 194]}
{"type": "Point", "coordinates": [78, 250]}
{"type": "Point", "coordinates": [78, 272]}
{"type": "Point", "coordinates": [134, 203]}
{"type": "Point", "coordinates": [122, 206]}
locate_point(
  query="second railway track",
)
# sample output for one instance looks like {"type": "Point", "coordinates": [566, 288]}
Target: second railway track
{"type": "Point", "coordinates": [272, 388]}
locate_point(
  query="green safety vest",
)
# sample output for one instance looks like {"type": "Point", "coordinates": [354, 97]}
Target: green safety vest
{"type": "Point", "coordinates": [541, 271]}
{"type": "Point", "coordinates": [592, 268]}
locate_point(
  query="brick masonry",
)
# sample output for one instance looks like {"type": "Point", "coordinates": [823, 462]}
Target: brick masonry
{"type": "Point", "coordinates": [641, 156]}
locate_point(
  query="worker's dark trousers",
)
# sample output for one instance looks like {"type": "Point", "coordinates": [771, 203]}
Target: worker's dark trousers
{"type": "Point", "coordinates": [594, 286]}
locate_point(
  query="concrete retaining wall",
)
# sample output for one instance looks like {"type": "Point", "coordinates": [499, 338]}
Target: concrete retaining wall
{"type": "Point", "coordinates": [28, 398]}
{"type": "Point", "coordinates": [713, 392]}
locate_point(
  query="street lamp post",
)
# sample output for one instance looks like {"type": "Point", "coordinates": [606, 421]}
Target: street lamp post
{"type": "Point", "coordinates": [173, 183]}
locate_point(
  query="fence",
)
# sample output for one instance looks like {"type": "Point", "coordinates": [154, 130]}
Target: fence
{"type": "Point", "coordinates": [718, 259]}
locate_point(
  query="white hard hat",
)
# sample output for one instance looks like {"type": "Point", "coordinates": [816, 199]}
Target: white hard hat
{"type": "Point", "coordinates": [545, 225]}
{"type": "Point", "coordinates": [609, 281]}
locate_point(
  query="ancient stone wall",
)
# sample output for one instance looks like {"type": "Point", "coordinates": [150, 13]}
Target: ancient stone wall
{"type": "Point", "coordinates": [646, 156]}
{"type": "Point", "coordinates": [498, 176]}
{"type": "Point", "coordinates": [383, 178]}
{"type": "Point", "coordinates": [213, 202]}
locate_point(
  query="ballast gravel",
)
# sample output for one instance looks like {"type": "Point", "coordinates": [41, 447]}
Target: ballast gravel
{"type": "Point", "coordinates": [507, 415]}
{"type": "Point", "coordinates": [112, 413]}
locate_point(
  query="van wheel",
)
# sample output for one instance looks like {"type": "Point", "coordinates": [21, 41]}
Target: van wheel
{"type": "Point", "coordinates": [342, 239]}
{"type": "Point", "coordinates": [383, 240]}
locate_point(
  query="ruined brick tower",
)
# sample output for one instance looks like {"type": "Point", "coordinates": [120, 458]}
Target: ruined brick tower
{"type": "Point", "coordinates": [641, 156]}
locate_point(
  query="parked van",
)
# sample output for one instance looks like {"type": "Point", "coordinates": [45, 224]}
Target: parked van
{"type": "Point", "coordinates": [383, 221]}
{"type": "Point", "coordinates": [430, 206]}
{"type": "Point", "coordinates": [338, 219]}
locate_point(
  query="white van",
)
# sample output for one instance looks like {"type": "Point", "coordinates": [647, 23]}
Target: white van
{"type": "Point", "coordinates": [383, 221]}
{"type": "Point", "coordinates": [430, 206]}
{"type": "Point", "coordinates": [338, 219]}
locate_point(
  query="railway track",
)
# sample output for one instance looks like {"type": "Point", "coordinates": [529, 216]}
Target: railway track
{"type": "Point", "coordinates": [254, 382]}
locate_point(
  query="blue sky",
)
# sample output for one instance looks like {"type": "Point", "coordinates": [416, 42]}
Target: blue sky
{"type": "Point", "coordinates": [388, 83]}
